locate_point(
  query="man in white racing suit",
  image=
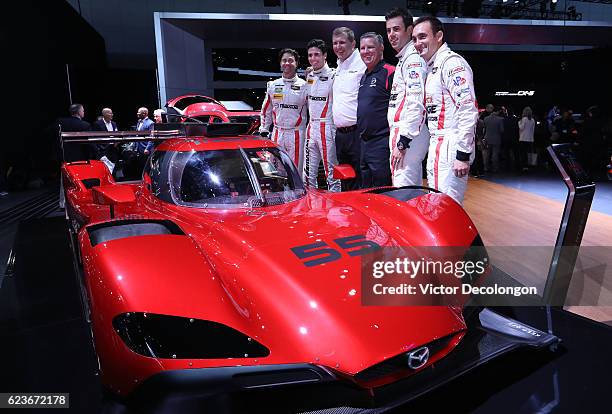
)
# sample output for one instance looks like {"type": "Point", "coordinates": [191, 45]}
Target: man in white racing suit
{"type": "Point", "coordinates": [452, 112]}
{"type": "Point", "coordinates": [285, 107]}
{"type": "Point", "coordinates": [321, 132]}
{"type": "Point", "coordinates": [409, 137]}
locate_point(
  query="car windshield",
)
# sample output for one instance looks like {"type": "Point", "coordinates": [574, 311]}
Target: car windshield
{"type": "Point", "coordinates": [231, 178]}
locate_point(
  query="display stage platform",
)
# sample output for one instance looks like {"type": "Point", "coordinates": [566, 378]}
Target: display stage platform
{"type": "Point", "coordinates": [46, 348]}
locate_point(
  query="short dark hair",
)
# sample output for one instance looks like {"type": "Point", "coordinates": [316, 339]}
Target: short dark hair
{"type": "Point", "coordinates": [74, 109]}
{"type": "Point", "coordinates": [319, 44]}
{"type": "Point", "coordinates": [435, 23]}
{"type": "Point", "coordinates": [293, 52]}
{"type": "Point", "coordinates": [403, 13]}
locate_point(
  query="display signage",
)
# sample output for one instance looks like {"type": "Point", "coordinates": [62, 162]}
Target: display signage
{"type": "Point", "coordinates": [518, 93]}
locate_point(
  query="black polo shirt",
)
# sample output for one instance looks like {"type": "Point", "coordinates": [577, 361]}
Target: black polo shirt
{"type": "Point", "coordinates": [373, 101]}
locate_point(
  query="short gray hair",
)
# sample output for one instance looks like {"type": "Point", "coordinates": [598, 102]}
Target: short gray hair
{"type": "Point", "coordinates": [345, 31]}
{"type": "Point", "coordinates": [158, 112]}
{"type": "Point", "coordinates": [372, 35]}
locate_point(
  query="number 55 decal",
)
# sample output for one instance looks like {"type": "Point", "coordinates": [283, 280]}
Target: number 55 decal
{"type": "Point", "coordinates": [352, 245]}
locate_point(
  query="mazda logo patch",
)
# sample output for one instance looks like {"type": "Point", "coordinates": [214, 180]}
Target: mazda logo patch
{"type": "Point", "coordinates": [418, 357]}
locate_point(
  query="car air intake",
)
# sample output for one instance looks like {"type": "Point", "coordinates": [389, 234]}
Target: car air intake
{"type": "Point", "coordinates": [163, 336]}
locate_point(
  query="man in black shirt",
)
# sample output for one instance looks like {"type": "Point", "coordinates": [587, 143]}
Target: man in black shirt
{"type": "Point", "coordinates": [73, 152]}
{"type": "Point", "coordinates": [372, 107]}
{"type": "Point", "coordinates": [75, 123]}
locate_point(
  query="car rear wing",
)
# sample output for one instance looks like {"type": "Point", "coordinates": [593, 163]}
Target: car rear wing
{"type": "Point", "coordinates": [90, 137]}
{"type": "Point", "coordinates": [159, 133]}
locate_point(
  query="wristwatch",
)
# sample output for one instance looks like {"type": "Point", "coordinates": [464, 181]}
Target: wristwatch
{"type": "Point", "coordinates": [403, 143]}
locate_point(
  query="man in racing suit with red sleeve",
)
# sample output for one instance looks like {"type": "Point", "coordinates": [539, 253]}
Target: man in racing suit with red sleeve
{"type": "Point", "coordinates": [452, 112]}
{"type": "Point", "coordinates": [409, 137]}
{"type": "Point", "coordinates": [321, 132]}
{"type": "Point", "coordinates": [285, 107]}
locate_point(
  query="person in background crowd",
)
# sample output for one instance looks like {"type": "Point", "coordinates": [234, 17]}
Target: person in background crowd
{"type": "Point", "coordinates": [75, 123]}
{"type": "Point", "coordinates": [564, 128]}
{"type": "Point", "coordinates": [477, 168]}
{"type": "Point", "coordinates": [526, 136]}
{"type": "Point", "coordinates": [106, 124]}
{"type": "Point", "coordinates": [284, 107]}
{"type": "Point", "coordinates": [73, 152]}
{"type": "Point", "coordinates": [345, 90]}
{"type": "Point", "coordinates": [510, 140]}
{"type": "Point", "coordinates": [593, 150]}
{"type": "Point", "coordinates": [452, 112]}
{"type": "Point", "coordinates": [373, 104]}
{"type": "Point", "coordinates": [494, 128]}
{"type": "Point", "coordinates": [158, 116]}
{"type": "Point", "coordinates": [551, 116]}
{"type": "Point", "coordinates": [488, 111]}
{"type": "Point", "coordinates": [409, 138]}
{"type": "Point", "coordinates": [321, 132]}
{"type": "Point", "coordinates": [143, 124]}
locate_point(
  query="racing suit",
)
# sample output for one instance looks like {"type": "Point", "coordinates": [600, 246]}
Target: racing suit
{"type": "Point", "coordinates": [406, 116]}
{"type": "Point", "coordinates": [285, 107]}
{"type": "Point", "coordinates": [452, 114]}
{"type": "Point", "coordinates": [321, 132]}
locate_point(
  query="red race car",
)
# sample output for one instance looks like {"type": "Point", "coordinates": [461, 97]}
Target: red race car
{"type": "Point", "coordinates": [209, 110]}
{"type": "Point", "coordinates": [221, 272]}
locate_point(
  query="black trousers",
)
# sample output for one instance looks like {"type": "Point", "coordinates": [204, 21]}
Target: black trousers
{"type": "Point", "coordinates": [348, 151]}
{"type": "Point", "coordinates": [375, 167]}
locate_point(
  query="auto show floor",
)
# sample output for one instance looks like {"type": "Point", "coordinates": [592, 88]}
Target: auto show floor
{"type": "Point", "coordinates": [549, 185]}
{"type": "Point", "coordinates": [45, 342]}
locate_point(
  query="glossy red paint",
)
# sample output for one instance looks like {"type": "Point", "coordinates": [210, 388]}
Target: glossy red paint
{"type": "Point", "coordinates": [235, 267]}
{"type": "Point", "coordinates": [113, 194]}
{"type": "Point", "coordinates": [344, 172]}
{"type": "Point", "coordinates": [196, 106]}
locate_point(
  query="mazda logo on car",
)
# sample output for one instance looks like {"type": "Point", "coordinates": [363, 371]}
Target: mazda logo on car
{"type": "Point", "coordinates": [418, 357]}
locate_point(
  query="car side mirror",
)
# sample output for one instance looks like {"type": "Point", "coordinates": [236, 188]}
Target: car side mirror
{"type": "Point", "coordinates": [344, 172]}
{"type": "Point", "coordinates": [112, 195]}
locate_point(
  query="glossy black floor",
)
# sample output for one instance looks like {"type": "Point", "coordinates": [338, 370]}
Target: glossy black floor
{"type": "Point", "coordinates": [45, 347]}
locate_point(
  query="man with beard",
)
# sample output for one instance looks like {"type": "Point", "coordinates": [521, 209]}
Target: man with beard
{"type": "Point", "coordinates": [452, 112]}
{"type": "Point", "coordinates": [284, 107]}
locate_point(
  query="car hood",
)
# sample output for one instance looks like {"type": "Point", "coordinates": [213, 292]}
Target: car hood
{"type": "Point", "coordinates": [315, 313]}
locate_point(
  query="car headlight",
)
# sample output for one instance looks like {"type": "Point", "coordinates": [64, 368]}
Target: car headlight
{"type": "Point", "coordinates": [163, 336]}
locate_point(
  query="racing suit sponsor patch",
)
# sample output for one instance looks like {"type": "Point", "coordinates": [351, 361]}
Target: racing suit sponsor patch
{"type": "Point", "coordinates": [288, 106]}
{"type": "Point", "coordinates": [413, 74]}
{"type": "Point", "coordinates": [310, 81]}
{"type": "Point", "coordinates": [415, 65]}
{"type": "Point", "coordinates": [458, 81]}
{"type": "Point", "coordinates": [463, 92]}
{"type": "Point", "coordinates": [295, 87]}
{"type": "Point", "coordinates": [278, 96]}
{"type": "Point", "coordinates": [323, 78]}
{"type": "Point", "coordinates": [278, 89]}
{"type": "Point", "coordinates": [456, 70]}
{"type": "Point", "coordinates": [318, 98]}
